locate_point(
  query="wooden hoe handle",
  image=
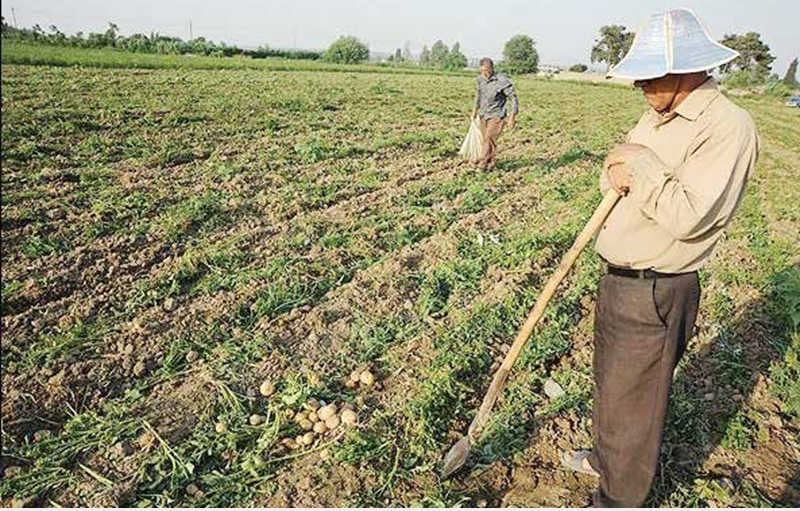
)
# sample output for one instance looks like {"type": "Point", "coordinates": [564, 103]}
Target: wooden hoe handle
{"type": "Point", "coordinates": [498, 382]}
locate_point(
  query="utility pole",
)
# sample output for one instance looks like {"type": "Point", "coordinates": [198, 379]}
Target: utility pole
{"type": "Point", "coordinates": [191, 36]}
{"type": "Point", "coordinates": [294, 40]}
{"type": "Point", "coordinates": [14, 17]}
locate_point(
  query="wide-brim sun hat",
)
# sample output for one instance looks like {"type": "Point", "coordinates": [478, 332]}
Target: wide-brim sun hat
{"type": "Point", "coordinates": [671, 42]}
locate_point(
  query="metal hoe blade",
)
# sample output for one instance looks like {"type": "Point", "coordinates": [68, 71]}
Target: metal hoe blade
{"type": "Point", "coordinates": [456, 456]}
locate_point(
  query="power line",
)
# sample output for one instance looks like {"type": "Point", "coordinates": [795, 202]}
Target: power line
{"type": "Point", "coordinates": [14, 17]}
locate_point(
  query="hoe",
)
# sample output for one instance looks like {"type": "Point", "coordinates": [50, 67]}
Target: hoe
{"type": "Point", "coordinates": [459, 453]}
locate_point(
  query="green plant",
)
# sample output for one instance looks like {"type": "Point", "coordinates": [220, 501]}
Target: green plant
{"type": "Point", "coordinates": [347, 50]}
{"type": "Point", "coordinates": [754, 54]}
{"type": "Point", "coordinates": [777, 89]}
{"type": "Point", "coordinates": [743, 79]}
{"type": "Point", "coordinates": [612, 45]}
{"type": "Point", "coordinates": [520, 55]}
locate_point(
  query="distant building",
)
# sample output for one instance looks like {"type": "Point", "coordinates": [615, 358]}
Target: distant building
{"type": "Point", "coordinates": [379, 56]}
{"type": "Point", "coordinates": [550, 69]}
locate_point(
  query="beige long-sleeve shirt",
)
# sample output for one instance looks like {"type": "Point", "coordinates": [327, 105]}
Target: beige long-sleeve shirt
{"type": "Point", "coordinates": [685, 189]}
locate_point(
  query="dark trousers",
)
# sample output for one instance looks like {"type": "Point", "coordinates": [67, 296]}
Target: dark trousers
{"type": "Point", "coordinates": [641, 330]}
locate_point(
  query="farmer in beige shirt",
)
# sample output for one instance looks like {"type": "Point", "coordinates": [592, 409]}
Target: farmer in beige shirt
{"type": "Point", "coordinates": [686, 170]}
{"type": "Point", "coordinates": [682, 174]}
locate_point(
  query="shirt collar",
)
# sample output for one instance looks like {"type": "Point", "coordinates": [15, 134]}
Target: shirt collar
{"type": "Point", "coordinates": [493, 77]}
{"type": "Point", "coordinates": [698, 100]}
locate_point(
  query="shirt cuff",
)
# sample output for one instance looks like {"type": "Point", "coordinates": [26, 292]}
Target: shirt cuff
{"type": "Point", "coordinates": [649, 177]}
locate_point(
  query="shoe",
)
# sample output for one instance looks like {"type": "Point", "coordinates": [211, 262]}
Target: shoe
{"type": "Point", "coordinates": [573, 460]}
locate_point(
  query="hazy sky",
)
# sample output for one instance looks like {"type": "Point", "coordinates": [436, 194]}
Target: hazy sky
{"type": "Point", "coordinates": [563, 29]}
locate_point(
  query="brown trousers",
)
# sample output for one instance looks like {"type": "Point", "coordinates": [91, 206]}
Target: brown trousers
{"type": "Point", "coordinates": [641, 330]}
{"type": "Point", "coordinates": [490, 131]}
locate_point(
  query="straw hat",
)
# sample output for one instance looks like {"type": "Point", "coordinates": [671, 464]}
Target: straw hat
{"type": "Point", "coordinates": [672, 42]}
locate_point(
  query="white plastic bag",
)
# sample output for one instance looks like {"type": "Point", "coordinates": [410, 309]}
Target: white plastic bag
{"type": "Point", "coordinates": [472, 147]}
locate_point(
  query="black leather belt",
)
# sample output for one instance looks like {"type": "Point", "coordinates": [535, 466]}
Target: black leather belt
{"type": "Point", "coordinates": [641, 274]}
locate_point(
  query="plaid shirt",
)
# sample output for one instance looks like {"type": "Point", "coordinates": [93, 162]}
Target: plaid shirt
{"type": "Point", "coordinates": [491, 95]}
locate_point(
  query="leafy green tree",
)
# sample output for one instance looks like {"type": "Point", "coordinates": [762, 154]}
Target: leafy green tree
{"type": "Point", "coordinates": [407, 52]}
{"type": "Point", "coordinates": [347, 50]}
{"type": "Point", "coordinates": [613, 43]}
{"type": "Point", "coordinates": [790, 80]}
{"type": "Point", "coordinates": [455, 59]}
{"type": "Point", "coordinates": [57, 37]}
{"type": "Point", "coordinates": [439, 53]}
{"type": "Point", "coordinates": [743, 79]}
{"type": "Point", "coordinates": [38, 33]}
{"type": "Point", "coordinates": [578, 68]}
{"type": "Point", "coordinates": [520, 55]}
{"type": "Point", "coordinates": [111, 33]}
{"type": "Point", "coordinates": [754, 54]}
{"type": "Point", "coordinates": [425, 56]}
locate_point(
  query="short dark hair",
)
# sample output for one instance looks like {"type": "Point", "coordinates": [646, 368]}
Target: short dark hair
{"type": "Point", "coordinates": [486, 61]}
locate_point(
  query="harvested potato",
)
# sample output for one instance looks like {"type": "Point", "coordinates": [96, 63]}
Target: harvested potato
{"type": "Point", "coordinates": [313, 416]}
{"type": "Point", "coordinates": [220, 427]}
{"type": "Point", "coordinates": [367, 378]}
{"type": "Point", "coordinates": [350, 384]}
{"type": "Point", "coordinates": [308, 438]}
{"type": "Point", "coordinates": [307, 425]}
{"type": "Point", "coordinates": [267, 388]}
{"type": "Point", "coordinates": [327, 412]}
{"type": "Point", "coordinates": [325, 455]}
{"type": "Point", "coordinates": [301, 416]}
{"type": "Point", "coordinates": [169, 304]}
{"type": "Point", "coordinates": [320, 428]}
{"type": "Point", "coordinates": [355, 377]}
{"type": "Point", "coordinates": [192, 489]}
{"type": "Point", "coordinates": [349, 418]}
{"type": "Point", "coordinates": [311, 405]}
{"type": "Point", "coordinates": [348, 406]}
{"type": "Point", "coordinates": [256, 419]}
{"type": "Point", "coordinates": [333, 422]}
{"type": "Point", "coordinates": [289, 414]}
{"type": "Point", "coordinates": [139, 368]}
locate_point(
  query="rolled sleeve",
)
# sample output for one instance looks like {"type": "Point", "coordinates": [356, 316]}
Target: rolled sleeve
{"type": "Point", "coordinates": [478, 93]}
{"type": "Point", "coordinates": [694, 198]}
{"type": "Point", "coordinates": [605, 184]}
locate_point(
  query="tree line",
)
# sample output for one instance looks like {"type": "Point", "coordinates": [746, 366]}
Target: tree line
{"type": "Point", "coordinates": [753, 67]}
{"type": "Point", "coordinates": [144, 43]}
{"type": "Point", "coordinates": [519, 56]}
